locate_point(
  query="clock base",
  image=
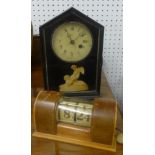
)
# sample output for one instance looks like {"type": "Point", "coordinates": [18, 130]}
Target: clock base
{"type": "Point", "coordinates": [107, 149]}
{"type": "Point", "coordinates": [76, 86]}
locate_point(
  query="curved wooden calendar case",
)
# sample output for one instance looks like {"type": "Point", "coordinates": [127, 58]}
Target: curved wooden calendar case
{"type": "Point", "coordinates": [100, 135]}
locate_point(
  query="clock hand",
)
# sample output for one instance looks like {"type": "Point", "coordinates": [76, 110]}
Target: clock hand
{"type": "Point", "coordinates": [71, 40]}
{"type": "Point", "coordinates": [68, 35]}
{"type": "Point", "coordinates": [77, 37]}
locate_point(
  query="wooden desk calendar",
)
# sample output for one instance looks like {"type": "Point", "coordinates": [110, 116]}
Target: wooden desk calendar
{"type": "Point", "coordinates": [88, 123]}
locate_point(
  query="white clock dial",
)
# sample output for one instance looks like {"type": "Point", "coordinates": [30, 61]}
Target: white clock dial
{"type": "Point", "coordinates": [72, 41]}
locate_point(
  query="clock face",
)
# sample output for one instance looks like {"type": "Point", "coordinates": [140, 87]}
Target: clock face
{"type": "Point", "coordinates": [72, 41]}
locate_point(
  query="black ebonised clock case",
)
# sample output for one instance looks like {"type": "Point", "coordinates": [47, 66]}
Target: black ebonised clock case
{"type": "Point", "coordinates": [54, 68]}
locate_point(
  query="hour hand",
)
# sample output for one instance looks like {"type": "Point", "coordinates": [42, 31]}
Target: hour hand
{"type": "Point", "coordinates": [68, 35]}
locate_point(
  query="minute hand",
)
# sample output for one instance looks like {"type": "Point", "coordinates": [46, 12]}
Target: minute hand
{"type": "Point", "coordinates": [79, 36]}
{"type": "Point", "coordinates": [68, 35]}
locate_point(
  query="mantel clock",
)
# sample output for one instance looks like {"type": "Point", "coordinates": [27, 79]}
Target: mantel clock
{"type": "Point", "coordinates": [72, 45]}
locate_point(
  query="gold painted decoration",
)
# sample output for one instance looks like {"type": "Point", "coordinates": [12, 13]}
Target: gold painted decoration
{"type": "Point", "coordinates": [71, 81]}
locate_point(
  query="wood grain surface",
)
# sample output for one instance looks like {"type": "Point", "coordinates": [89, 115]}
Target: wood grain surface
{"type": "Point", "coordinates": [104, 120]}
{"type": "Point", "coordinates": [45, 114]}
